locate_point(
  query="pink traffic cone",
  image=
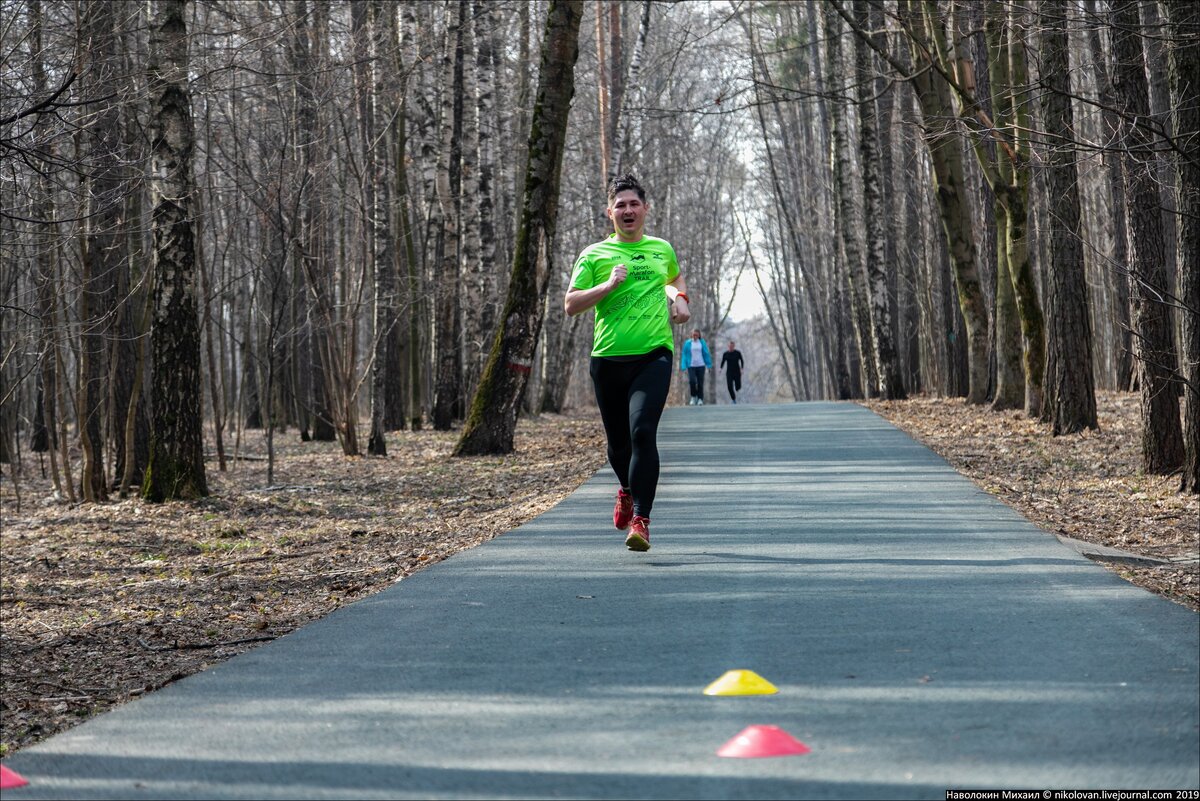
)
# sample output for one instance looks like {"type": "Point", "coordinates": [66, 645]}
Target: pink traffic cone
{"type": "Point", "coordinates": [763, 741]}
{"type": "Point", "coordinates": [10, 779]}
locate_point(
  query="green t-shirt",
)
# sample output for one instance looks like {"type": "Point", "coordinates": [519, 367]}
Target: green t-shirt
{"type": "Point", "coordinates": [635, 317]}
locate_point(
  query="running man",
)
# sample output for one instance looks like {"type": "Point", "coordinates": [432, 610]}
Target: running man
{"type": "Point", "coordinates": [634, 283]}
{"type": "Point", "coordinates": [733, 375]}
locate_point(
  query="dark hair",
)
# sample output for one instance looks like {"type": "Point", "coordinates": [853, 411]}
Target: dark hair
{"type": "Point", "coordinates": [625, 183]}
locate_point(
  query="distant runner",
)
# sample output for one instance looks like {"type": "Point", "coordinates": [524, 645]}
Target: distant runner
{"type": "Point", "coordinates": [634, 283]}
{"type": "Point", "coordinates": [694, 361]}
{"type": "Point", "coordinates": [733, 373]}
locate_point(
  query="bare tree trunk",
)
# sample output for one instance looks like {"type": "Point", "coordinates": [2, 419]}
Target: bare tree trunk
{"type": "Point", "coordinates": [937, 111]}
{"type": "Point", "coordinates": [309, 30]}
{"type": "Point", "coordinates": [103, 256]}
{"type": "Point", "coordinates": [1184, 68]}
{"type": "Point", "coordinates": [1009, 91]}
{"type": "Point", "coordinates": [560, 364]}
{"type": "Point", "coordinates": [386, 272]}
{"type": "Point", "coordinates": [447, 323]}
{"type": "Point", "coordinates": [210, 298]}
{"type": "Point", "coordinates": [1158, 97]}
{"type": "Point", "coordinates": [848, 220]}
{"type": "Point", "coordinates": [1010, 368]}
{"type": "Point", "coordinates": [177, 446]}
{"type": "Point", "coordinates": [522, 99]}
{"type": "Point", "coordinates": [1117, 275]}
{"type": "Point", "coordinates": [882, 302]}
{"type": "Point", "coordinates": [471, 283]}
{"type": "Point", "coordinates": [1010, 380]}
{"type": "Point", "coordinates": [368, 43]}
{"type": "Point", "coordinates": [131, 424]}
{"type": "Point", "coordinates": [623, 121]}
{"type": "Point", "coordinates": [1153, 340]}
{"type": "Point", "coordinates": [406, 213]}
{"type": "Point", "coordinates": [1070, 401]}
{"type": "Point", "coordinates": [604, 108]}
{"type": "Point", "coordinates": [334, 329]}
{"type": "Point", "coordinates": [493, 420]}
{"type": "Point", "coordinates": [46, 279]}
{"type": "Point", "coordinates": [490, 274]}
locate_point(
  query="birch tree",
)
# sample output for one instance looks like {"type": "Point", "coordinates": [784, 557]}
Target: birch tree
{"type": "Point", "coordinates": [849, 219]}
{"type": "Point", "coordinates": [447, 321]}
{"type": "Point", "coordinates": [882, 306]}
{"type": "Point", "coordinates": [176, 467]}
{"type": "Point", "coordinates": [377, 248]}
{"type": "Point", "coordinates": [493, 419]}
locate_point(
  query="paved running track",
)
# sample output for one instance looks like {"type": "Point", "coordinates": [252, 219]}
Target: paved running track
{"type": "Point", "coordinates": [923, 636]}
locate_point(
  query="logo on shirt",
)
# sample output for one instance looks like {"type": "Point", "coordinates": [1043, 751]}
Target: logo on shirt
{"type": "Point", "coordinates": [638, 257]}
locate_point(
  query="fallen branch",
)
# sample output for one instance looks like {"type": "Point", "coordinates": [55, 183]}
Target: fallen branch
{"type": "Point", "coordinates": [71, 689]}
{"type": "Point", "coordinates": [191, 646]}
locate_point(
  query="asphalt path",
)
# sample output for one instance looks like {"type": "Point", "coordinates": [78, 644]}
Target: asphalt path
{"type": "Point", "coordinates": [923, 637]}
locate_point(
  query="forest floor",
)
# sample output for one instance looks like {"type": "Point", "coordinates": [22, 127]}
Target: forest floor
{"type": "Point", "coordinates": [103, 603]}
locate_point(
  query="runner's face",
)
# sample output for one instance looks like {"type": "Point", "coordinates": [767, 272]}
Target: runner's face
{"type": "Point", "coordinates": [628, 215]}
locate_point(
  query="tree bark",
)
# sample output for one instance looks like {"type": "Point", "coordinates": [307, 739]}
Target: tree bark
{"type": "Point", "coordinates": [849, 218]}
{"type": "Point", "coordinates": [937, 113]}
{"type": "Point", "coordinates": [45, 276]}
{"type": "Point", "coordinates": [1184, 68]}
{"type": "Point", "coordinates": [447, 323]}
{"type": "Point", "coordinates": [1118, 277]}
{"type": "Point", "coordinates": [176, 467]}
{"type": "Point", "coordinates": [471, 291]}
{"type": "Point", "coordinates": [604, 107]}
{"type": "Point", "coordinates": [882, 302]}
{"type": "Point", "coordinates": [1153, 340]}
{"type": "Point", "coordinates": [486, 25]}
{"type": "Point", "coordinates": [131, 422]}
{"type": "Point", "coordinates": [369, 41]}
{"type": "Point", "coordinates": [1009, 188]}
{"type": "Point", "coordinates": [308, 31]}
{"type": "Point", "coordinates": [1015, 176]}
{"type": "Point", "coordinates": [1069, 404]}
{"type": "Point", "coordinates": [103, 247]}
{"type": "Point", "coordinates": [493, 419]}
{"type": "Point", "coordinates": [623, 121]}
{"type": "Point", "coordinates": [406, 213]}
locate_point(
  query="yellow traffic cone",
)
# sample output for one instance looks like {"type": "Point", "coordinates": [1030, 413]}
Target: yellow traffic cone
{"type": "Point", "coordinates": [741, 682]}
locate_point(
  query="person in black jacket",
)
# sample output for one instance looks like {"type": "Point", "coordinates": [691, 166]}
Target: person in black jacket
{"type": "Point", "coordinates": [731, 363]}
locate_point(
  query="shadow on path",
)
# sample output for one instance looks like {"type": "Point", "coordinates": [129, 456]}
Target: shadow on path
{"type": "Point", "coordinates": [923, 637]}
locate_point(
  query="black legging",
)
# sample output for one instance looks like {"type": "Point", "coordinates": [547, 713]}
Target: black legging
{"type": "Point", "coordinates": [631, 396]}
{"type": "Point", "coordinates": [733, 382]}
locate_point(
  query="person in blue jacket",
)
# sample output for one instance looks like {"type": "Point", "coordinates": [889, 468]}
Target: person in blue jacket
{"type": "Point", "coordinates": [696, 359]}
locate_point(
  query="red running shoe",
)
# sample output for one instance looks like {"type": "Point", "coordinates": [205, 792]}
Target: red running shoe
{"type": "Point", "coordinates": [623, 511]}
{"type": "Point", "coordinates": [638, 538]}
